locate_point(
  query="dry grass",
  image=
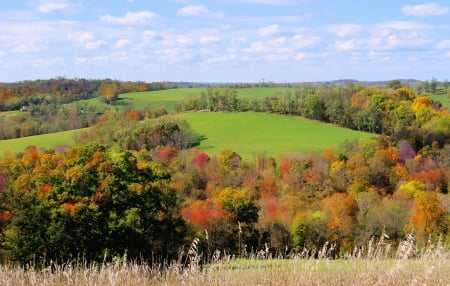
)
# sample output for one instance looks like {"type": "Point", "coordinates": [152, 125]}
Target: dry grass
{"type": "Point", "coordinates": [373, 266]}
{"type": "Point", "coordinates": [263, 272]}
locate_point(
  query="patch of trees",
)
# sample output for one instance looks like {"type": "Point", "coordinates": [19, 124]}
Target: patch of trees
{"type": "Point", "coordinates": [127, 132]}
{"type": "Point", "coordinates": [91, 202]}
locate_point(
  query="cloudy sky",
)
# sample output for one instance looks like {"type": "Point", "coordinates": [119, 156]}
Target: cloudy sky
{"type": "Point", "coordinates": [224, 40]}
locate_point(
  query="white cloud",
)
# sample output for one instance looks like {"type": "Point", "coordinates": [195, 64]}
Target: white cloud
{"type": "Point", "coordinates": [183, 40]}
{"type": "Point", "coordinates": [86, 39]}
{"type": "Point", "coordinates": [51, 6]}
{"type": "Point", "coordinates": [26, 48]}
{"type": "Point", "coordinates": [209, 40]}
{"type": "Point", "coordinates": [94, 45]}
{"type": "Point", "coordinates": [346, 30]}
{"type": "Point", "coordinates": [193, 10]}
{"type": "Point", "coordinates": [443, 45]}
{"type": "Point", "coordinates": [299, 56]}
{"type": "Point", "coordinates": [301, 41]}
{"type": "Point", "coordinates": [198, 10]}
{"type": "Point", "coordinates": [122, 43]}
{"type": "Point", "coordinates": [345, 45]}
{"type": "Point", "coordinates": [424, 10]}
{"type": "Point", "coordinates": [81, 37]}
{"type": "Point", "coordinates": [2, 53]}
{"type": "Point", "coordinates": [268, 30]}
{"type": "Point", "coordinates": [130, 18]}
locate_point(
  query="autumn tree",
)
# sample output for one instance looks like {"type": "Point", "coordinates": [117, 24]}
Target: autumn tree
{"type": "Point", "coordinates": [340, 211]}
{"type": "Point", "coordinates": [91, 201]}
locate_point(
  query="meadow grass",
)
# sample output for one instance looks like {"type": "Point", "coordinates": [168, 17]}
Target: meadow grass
{"type": "Point", "coordinates": [246, 133]}
{"type": "Point", "coordinates": [443, 98]}
{"type": "Point", "coordinates": [251, 133]}
{"type": "Point", "coordinates": [46, 141]}
{"type": "Point", "coordinates": [171, 97]}
{"type": "Point", "coordinates": [168, 98]}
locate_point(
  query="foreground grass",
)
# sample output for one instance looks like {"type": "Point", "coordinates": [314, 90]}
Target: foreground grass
{"type": "Point", "coordinates": [255, 272]}
{"type": "Point", "coordinates": [251, 133]}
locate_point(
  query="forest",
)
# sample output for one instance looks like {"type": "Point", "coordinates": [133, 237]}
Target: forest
{"type": "Point", "coordinates": [135, 184]}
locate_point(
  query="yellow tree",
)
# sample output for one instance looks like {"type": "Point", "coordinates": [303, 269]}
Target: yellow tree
{"type": "Point", "coordinates": [429, 218]}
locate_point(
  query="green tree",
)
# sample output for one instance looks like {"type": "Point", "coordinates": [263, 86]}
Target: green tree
{"type": "Point", "coordinates": [90, 201]}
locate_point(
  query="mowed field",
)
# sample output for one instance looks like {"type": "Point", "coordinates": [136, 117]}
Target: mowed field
{"type": "Point", "coordinates": [246, 133]}
{"type": "Point", "coordinates": [46, 141]}
{"type": "Point", "coordinates": [251, 133]}
{"type": "Point", "coordinates": [169, 98]}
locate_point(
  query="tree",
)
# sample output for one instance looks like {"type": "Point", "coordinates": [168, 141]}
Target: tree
{"type": "Point", "coordinates": [340, 211]}
{"type": "Point", "coordinates": [433, 85]}
{"type": "Point", "coordinates": [90, 201]}
{"type": "Point", "coordinates": [429, 218]}
{"type": "Point", "coordinates": [394, 84]}
{"type": "Point", "coordinates": [108, 92]}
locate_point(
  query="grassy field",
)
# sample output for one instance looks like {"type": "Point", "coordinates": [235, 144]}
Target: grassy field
{"type": "Point", "coordinates": [46, 141]}
{"type": "Point", "coordinates": [251, 133]}
{"type": "Point", "coordinates": [246, 133]}
{"type": "Point", "coordinates": [170, 97]}
{"type": "Point", "coordinates": [442, 98]}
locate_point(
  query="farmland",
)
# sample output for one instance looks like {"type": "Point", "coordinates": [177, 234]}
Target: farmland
{"type": "Point", "coordinates": [246, 133]}
{"type": "Point", "coordinates": [250, 133]}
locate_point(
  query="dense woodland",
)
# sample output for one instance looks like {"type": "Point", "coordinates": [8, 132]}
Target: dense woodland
{"type": "Point", "coordinates": [140, 187]}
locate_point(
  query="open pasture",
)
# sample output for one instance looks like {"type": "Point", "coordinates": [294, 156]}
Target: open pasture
{"type": "Point", "coordinates": [251, 133]}
{"type": "Point", "coordinates": [169, 98]}
{"type": "Point", "coordinates": [46, 141]}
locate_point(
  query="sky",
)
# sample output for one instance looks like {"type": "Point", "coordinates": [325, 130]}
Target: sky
{"type": "Point", "coordinates": [224, 40]}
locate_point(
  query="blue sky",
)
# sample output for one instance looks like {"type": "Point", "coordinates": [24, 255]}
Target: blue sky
{"type": "Point", "coordinates": [224, 40]}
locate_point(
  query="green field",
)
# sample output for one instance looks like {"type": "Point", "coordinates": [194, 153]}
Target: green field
{"type": "Point", "coordinates": [171, 97]}
{"type": "Point", "coordinates": [251, 133]}
{"type": "Point", "coordinates": [46, 141]}
{"type": "Point", "coordinates": [246, 133]}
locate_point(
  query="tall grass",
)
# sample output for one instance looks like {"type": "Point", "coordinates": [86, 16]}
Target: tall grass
{"type": "Point", "coordinates": [378, 264]}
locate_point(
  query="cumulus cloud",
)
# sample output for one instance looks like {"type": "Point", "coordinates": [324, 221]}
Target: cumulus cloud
{"type": "Point", "coordinates": [86, 39]}
{"type": "Point", "coordinates": [443, 45]}
{"type": "Point", "coordinates": [425, 10]}
{"type": "Point", "coordinates": [51, 6]}
{"type": "Point", "coordinates": [130, 18]}
{"type": "Point", "coordinates": [193, 10]}
{"type": "Point", "coordinates": [122, 43]}
{"type": "Point", "coordinates": [345, 45]}
{"type": "Point", "coordinates": [346, 30]}
{"type": "Point", "coordinates": [209, 39]}
{"type": "Point", "coordinates": [268, 30]}
{"type": "Point", "coordinates": [198, 10]}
